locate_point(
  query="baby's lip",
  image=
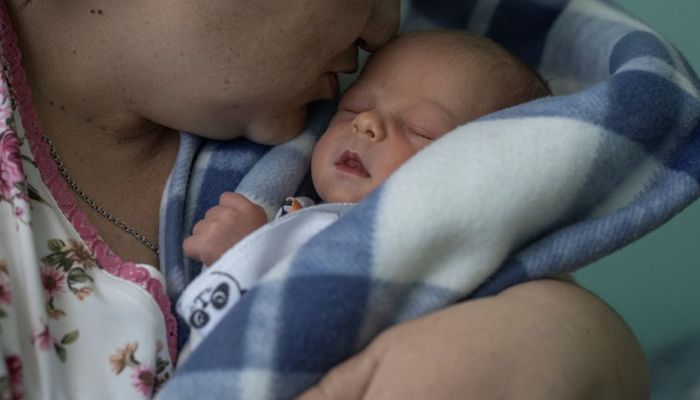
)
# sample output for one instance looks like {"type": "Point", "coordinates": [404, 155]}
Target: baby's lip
{"type": "Point", "coordinates": [350, 162]}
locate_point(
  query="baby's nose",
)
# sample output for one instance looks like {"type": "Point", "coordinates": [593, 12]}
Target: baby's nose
{"type": "Point", "coordinates": [369, 124]}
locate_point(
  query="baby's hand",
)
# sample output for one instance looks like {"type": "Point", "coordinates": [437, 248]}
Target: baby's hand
{"type": "Point", "coordinates": [223, 226]}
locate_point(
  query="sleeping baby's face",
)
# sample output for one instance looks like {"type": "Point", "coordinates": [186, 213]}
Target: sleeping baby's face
{"type": "Point", "coordinates": [409, 95]}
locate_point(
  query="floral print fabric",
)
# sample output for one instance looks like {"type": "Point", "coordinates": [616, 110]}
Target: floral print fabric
{"type": "Point", "coordinates": [69, 328]}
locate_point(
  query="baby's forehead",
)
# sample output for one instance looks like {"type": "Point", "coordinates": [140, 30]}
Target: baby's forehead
{"type": "Point", "coordinates": [450, 42]}
{"type": "Point", "coordinates": [438, 53]}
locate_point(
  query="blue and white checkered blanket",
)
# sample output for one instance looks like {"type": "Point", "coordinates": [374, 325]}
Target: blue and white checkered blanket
{"type": "Point", "coordinates": [536, 190]}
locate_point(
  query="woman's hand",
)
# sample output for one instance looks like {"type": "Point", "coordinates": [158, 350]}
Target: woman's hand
{"type": "Point", "coordinates": [538, 340]}
{"type": "Point", "coordinates": [223, 226]}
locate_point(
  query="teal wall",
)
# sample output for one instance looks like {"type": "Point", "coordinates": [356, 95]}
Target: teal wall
{"type": "Point", "coordinates": [655, 282]}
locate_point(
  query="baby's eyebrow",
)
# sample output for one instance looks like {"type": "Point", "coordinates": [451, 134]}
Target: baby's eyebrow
{"type": "Point", "coordinates": [437, 114]}
{"type": "Point", "coordinates": [440, 109]}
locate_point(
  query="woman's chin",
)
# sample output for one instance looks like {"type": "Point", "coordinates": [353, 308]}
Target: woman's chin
{"type": "Point", "coordinates": [277, 129]}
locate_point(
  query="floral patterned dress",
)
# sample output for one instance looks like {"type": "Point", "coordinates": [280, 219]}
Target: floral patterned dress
{"type": "Point", "coordinates": [76, 322]}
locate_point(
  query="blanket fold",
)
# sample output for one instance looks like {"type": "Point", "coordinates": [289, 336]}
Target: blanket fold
{"type": "Point", "coordinates": [536, 190]}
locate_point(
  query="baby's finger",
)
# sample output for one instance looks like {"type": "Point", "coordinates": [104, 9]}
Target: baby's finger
{"type": "Point", "coordinates": [240, 204]}
{"type": "Point", "coordinates": [200, 250]}
{"type": "Point", "coordinates": [232, 199]}
{"type": "Point", "coordinates": [192, 247]}
{"type": "Point", "coordinates": [200, 227]}
{"type": "Point", "coordinates": [222, 213]}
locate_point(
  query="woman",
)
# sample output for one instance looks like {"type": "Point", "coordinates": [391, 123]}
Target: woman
{"type": "Point", "coordinates": [111, 85]}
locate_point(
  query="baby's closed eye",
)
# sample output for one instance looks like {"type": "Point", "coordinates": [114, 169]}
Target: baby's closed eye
{"type": "Point", "coordinates": [421, 132]}
{"type": "Point", "coordinates": [428, 119]}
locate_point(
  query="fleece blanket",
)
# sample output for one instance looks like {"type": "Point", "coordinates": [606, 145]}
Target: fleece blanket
{"type": "Point", "coordinates": [536, 190]}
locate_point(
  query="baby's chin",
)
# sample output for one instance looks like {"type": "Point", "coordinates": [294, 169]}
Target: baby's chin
{"type": "Point", "coordinates": [342, 195]}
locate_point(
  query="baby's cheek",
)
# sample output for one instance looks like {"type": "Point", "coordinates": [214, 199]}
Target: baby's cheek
{"type": "Point", "coordinates": [400, 157]}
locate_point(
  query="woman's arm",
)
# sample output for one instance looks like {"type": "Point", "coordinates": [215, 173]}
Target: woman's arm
{"type": "Point", "coordinates": [538, 340]}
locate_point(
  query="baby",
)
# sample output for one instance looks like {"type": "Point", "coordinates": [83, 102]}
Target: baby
{"type": "Point", "coordinates": [411, 92]}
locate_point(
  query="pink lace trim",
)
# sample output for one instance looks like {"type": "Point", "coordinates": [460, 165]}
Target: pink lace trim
{"type": "Point", "coordinates": [64, 196]}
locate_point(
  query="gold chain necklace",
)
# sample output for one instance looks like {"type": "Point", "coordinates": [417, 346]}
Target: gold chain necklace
{"type": "Point", "coordinates": [98, 209]}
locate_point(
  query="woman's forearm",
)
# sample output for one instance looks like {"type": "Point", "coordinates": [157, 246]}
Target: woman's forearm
{"type": "Point", "coordinates": [585, 343]}
{"type": "Point", "coordinates": [538, 340]}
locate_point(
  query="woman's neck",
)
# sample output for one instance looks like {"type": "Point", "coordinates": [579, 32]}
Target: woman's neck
{"type": "Point", "coordinates": [80, 96]}
{"type": "Point", "coordinates": [123, 172]}
{"type": "Point", "coordinates": [118, 158]}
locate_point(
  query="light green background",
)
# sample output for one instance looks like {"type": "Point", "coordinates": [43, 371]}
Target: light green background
{"type": "Point", "coordinates": [655, 282]}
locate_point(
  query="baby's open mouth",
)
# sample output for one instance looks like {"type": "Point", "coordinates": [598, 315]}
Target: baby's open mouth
{"type": "Point", "coordinates": [350, 162]}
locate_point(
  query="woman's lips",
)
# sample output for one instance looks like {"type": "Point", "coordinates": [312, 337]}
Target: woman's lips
{"type": "Point", "coordinates": [350, 163]}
